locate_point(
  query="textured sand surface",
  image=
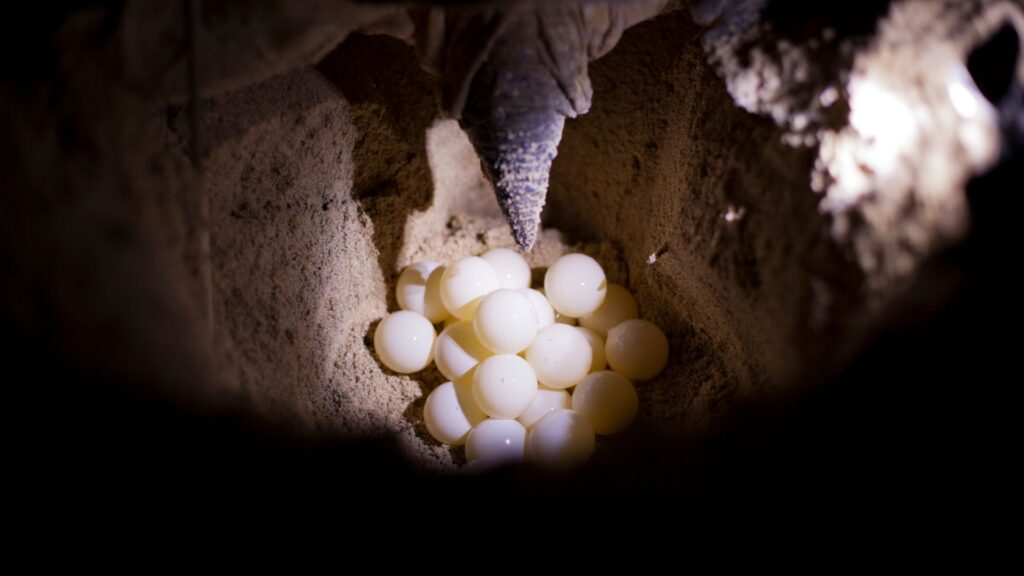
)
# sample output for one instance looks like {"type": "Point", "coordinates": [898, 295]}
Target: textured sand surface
{"type": "Point", "coordinates": [324, 182]}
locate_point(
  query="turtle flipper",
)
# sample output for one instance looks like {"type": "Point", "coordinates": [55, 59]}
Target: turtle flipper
{"type": "Point", "coordinates": [511, 75]}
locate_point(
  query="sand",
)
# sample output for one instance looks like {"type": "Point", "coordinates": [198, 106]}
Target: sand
{"type": "Point", "coordinates": [305, 269]}
{"type": "Point", "coordinates": [324, 182]}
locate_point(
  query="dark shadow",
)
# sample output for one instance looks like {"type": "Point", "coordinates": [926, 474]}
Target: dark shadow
{"type": "Point", "coordinates": [993, 64]}
{"type": "Point", "coordinates": [799, 21]}
{"type": "Point", "coordinates": [537, 277]}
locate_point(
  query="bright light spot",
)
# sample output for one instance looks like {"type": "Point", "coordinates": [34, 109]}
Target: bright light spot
{"type": "Point", "coordinates": [828, 96]}
{"type": "Point", "coordinates": [967, 100]}
{"type": "Point", "coordinates": [977, 131]}
{"type": "Point", "coordinates": [879, 114]}
{"type": "Point", "coordinates": [963, 100]}
{"type": "Point", "coordinates": [657, 254]}
{"type": "Point", "coordinates": [733, 214]}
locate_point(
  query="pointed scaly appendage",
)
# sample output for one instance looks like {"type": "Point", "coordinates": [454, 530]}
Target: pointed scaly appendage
{"type": "Point", "coordinates": [517, 158]}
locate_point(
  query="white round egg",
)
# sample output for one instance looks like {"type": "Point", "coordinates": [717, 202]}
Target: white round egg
{"type": "Point", "coordinates": [562, 439]}
{"type": "Point", "coordinates": [405, 341]}
{"type": "Point", "coordinates": [575, 285]}
{"type": "Point", "coordinates": [618, 306]}
{"type": "Point", "coordinates": [546, 400]}
{"type": "Point", "coordinates": [419, 290]}
{"type": "Point", "coordinates": [458, 350]}
{"type": "Point", "coordinates": [513, 271]}
{"type": "Point", "coordinates": [545, 313]}
{"type": "Point", "coordinates": [597, 357]}
{"type": "Point", "coordinates": [560, 356]}
{"type": "Point", "coordinates": [465, 283]}
{"type": "Point", "coordinates": [504, 386]}
{"type": "Point", "coordinates": [637, 349]}
{"type": "Point", "coordinates": [448, 416]}
{"type": "Point", "coordinates": [497, 442]}
{"type": "Point", "coordinates": [607, 400]}
{"type": "Point", "coordinates": [505, 321]}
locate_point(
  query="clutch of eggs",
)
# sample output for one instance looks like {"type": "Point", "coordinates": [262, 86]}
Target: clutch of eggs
{"type": "Point", "coordinates": [525, 382]}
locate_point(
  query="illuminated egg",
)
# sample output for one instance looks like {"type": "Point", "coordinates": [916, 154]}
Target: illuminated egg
{"type": "Point", "coordinates": [458, 350]}
{"type": "Point", "coordinates": [405, 341]}
{"type": "Point", "coordinates": [504, 386]}
{"type": "Point", "coordinates": [636, 349]}
{"type": "Point", "coordinates": [545, 313]}
{"type": "Point", "coordinates": [556, 316]}
{"type": "Point", "coordinates": [545, 401]}
{"type": "Point", "coordinates": [618, 306]}
{"type": "Point", "coordinates": [465, 283]}
{"type": "Point", "coordinates": [513, 271]}
{"type": "Point", "coordinates": [419, 290]}
{"type": "Point", "coordinates": [607, 400]}
{"type": "Point", "coordinates": [561, 440]}
{"type": "Point", "coordinates": [496, 442]}
{"type": "Point", "coordinates": [448, 416]}
{"type": "Point", "coordinates": [575, 285]}
{"type": "Point", "coordinates": [597, 358]}
{"type": "Point", "coordinates": [505, 321]}
{"type": "Point", "coordinates": [560, 356]}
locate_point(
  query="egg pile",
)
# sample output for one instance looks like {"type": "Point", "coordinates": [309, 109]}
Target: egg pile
{"type": "Point", "coordinates": [512, 353]}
